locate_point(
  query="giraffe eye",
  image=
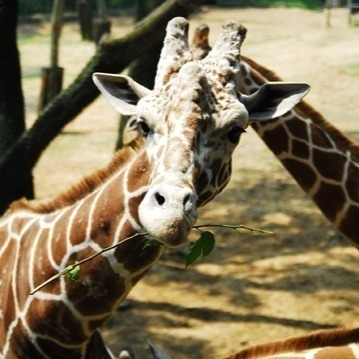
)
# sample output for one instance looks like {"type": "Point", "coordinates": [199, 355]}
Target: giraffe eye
{"type": "Point", "coordinates": [145, 129]}
{"type": "Point", "coordinates": [235, 133]}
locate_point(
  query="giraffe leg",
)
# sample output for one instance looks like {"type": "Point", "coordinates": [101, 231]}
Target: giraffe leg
{"type": "Point", "coordinates": [156, 352]}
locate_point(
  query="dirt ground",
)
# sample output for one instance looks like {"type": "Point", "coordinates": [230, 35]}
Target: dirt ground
{"type": "Point", "coordinates": [253, 288]}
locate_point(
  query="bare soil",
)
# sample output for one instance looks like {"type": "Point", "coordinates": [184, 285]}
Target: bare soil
{"type": "Point", "coordinates": [254, 288]}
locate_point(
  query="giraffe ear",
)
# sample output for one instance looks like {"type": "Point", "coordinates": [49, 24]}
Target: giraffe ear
{"type": "Point", "coordinates": [273, 99]}
{"type": "Point", "coordinates": [121, 92]}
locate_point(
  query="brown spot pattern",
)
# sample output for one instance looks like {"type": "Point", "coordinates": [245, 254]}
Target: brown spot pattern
{"type": "Point", "coordinates": [330, 198]}
{"type": "Point", "coordinates": [352, 183]}
{"type": "Point", "coordinates": [97, 290]}
{"type": "Point", "coordinates": [134, 249]}
{"type": "Point", "coordinates": [300, 149]}
{"type": "Point", "coordinates": [319, 137]}
{"type": "Point", "coordinates": [216, 166]}
{"type": "Point", "coordinates": [298, 129]}
{"type": "Point", "coordinates": [6, 294]}
{"type": "Point", "coordinates": [42, 268]}
{"type": "Point", "coordinates": [202, 183]}
{"type": "Point", "coordinates": [43, 314]}
{"type": "Point", "coordinates": [301, 172]}
{"type": "Point", "coordinates": [58, 240]}
{"type": "Point", "coordinates": [138, 174]}
{"type": "Point", "coordinates": [80, 222]}
{"type": "Point", "coordinates": [20, 345]}
{"type": "Point", "coordinates": [350, 224]}
{"type": "Point", "coordinates": [277, 140]}
{"type": "Point", "coordinates": [134, 203]}
{"type": "Point", "coordinates": [329, 165]}
{"type": "Point", "coordinates": [204, 198]}
{"type": "Point", "coordinates": [49, 348]}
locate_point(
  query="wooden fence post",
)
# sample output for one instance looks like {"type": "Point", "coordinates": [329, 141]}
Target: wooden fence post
{"type": "Point", "coordinates": [52, 76]}
{"type": "Point", "coordinates": [84, 11]}
{"type": "Point", "coordinates": [353, 8]}
{"type": "Point", "coordinates": [101, 24]}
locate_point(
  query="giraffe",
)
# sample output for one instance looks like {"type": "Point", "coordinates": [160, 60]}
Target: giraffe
{"type": "Point", "coordinates": [325, 344]}
{"type": "Point", "coordinates": [323, 161]}
{"type": "Point", "coordinates": [190, 124]}
{"type": "Point", "coordinates": [329, 344]}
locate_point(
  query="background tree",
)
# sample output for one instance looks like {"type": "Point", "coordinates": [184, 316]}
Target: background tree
{"type": "Point", "coordinates": [113, 55]}
{"type": "Point", "coordinates": [12, 112]}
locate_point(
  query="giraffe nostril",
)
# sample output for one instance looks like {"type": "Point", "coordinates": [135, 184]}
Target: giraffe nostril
{"type": "Point", "coordinates": [160, 199]}
{"type": "Point", "coordinates": [186, 199]}
{"type": "Point", "coordinates": [189, 203]}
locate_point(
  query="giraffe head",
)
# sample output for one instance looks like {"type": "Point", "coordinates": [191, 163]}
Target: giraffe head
{"type": "Point", "coordinates": [191, 122]}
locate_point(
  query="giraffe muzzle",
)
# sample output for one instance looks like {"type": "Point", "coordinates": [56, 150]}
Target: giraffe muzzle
{"type": "Point", "coordinates": [168, 213]}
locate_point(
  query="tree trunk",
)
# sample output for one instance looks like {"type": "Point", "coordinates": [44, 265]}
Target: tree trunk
{"type": "Point", "coordinates": [112, 56]}
{"type": "Point", "coordinates": [12, 118]}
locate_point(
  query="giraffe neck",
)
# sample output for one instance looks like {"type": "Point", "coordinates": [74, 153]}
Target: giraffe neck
{"type": "Point", "coordinates": [64, 315]}
{"type": "Point", "coordinates": [350, 351]}
{"type": "Point", "coordinates": [335, 343]}
{"type": "Point", "coordinates": [323, 161]}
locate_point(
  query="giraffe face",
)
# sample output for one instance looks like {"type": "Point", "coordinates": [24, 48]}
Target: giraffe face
{"type": "Point", "coordinates": [190, 135]}
{"type": "Point", "coordinates": [191, 121]}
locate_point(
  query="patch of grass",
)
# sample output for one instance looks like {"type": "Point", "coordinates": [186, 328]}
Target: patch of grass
{"type": "Point", "coordinates": [305, 4]}
{"type": "Point", "coordinates": [31, 73]}
{"type": "Point", "coordinates": [33, 39]}
{"type": "Point", "coordinates": [352, 69]}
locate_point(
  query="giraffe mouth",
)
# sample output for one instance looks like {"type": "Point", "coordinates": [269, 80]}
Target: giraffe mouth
{"type": "Point", "coordinates": [175, 234]}
{"type": "Point", "coordinates": [172, 232]}
{"type": "Point", "coordinates": [168, 214]}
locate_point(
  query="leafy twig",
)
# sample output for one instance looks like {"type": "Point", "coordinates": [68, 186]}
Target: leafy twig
{"type": "Point", "coordinates": [152, 243]}
{"type": "Point", "coordinates": [73, 273]}
{"type": "Point", "coordinates": [72, 270]}
{"type": "Point", "coordinates": [203, 246]}
{"type": "Point", "coordinates": [231, 226]}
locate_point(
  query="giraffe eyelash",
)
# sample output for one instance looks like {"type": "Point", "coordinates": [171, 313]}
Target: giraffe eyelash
{"type": "Point", "coordinates": [235, 133]}
{"type": "Point", "coordinates": [143, 126]}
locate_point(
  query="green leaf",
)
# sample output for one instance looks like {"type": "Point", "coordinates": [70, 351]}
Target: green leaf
{"type": "Point", "coordinates": [152, 243]}
{"type": "Point", "coordinates": [208, 242]}
{"type": "Point", "coordinates": [202, 247]}
{"type": "Point", "coordinates": [193, 252]}
{"type": "Point", "coordinates": [73, 272]}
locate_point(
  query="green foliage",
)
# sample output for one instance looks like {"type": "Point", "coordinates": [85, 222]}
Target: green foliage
{"type": "Point", "coordinates": [152, 243]}
{"type": "Point", "coordinates": [121, 4]}
{"type": "Point", "coordinates": [44, 6]}
{"type": "Point", "coordinates": [27, 7]}
{"type": "Point", "coordinates": [34, 6]}
{"type": "Point", "coordinates": [202, 247]}
{"type": "Point", "coordinates": [73, 272]}
{"type": "Point", "coordinates": [307, 4]}
{"type": "Point", "coordinates": [352, 69]}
